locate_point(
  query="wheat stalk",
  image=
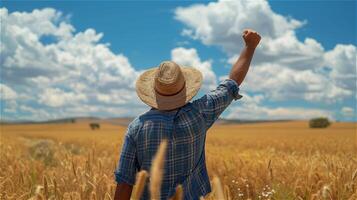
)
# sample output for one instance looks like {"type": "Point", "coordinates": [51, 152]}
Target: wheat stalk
{"type": "Point", "coordinates": [156, 171]}
{"type": "Point", "coordinates": [227, 192]}
{"type": "Point", "coordinates": [178, 193]}
{"type": "Point", "coordinates": [139, 185]}
{"type": "Point", "coordinates": [326, 192]}
{"type": "Point", "coordinates": [218, 188]}
{"type": "Point", "coordinates": [45, 186]}
{"type": "Point", "coordinates": [93, 196]}
{"type": "Point", "coordinates": [354, 175]}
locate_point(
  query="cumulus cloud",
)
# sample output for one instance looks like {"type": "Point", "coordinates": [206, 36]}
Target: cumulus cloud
{"type": "Point", "coordinates": [56, 97]}
{"type": "Point", "coordinates": [279, 83]}
{"type": "Point", "coordinates": [7, 93]}
{"type": "Point", "coordinates": [253, 108]}
{"type": "Point", "coordinates": [283, 66]}
{"type": "Point", "coordinates": [74, 74]}
{"type": "Point", "coordinates": [221, 23]}
{"type": "Point", "coordinates": [72, 70]}
{"type": "Point", "coordinates": [190, 57]}
{"type": "Point", "coordinates": [71, 56]}
{"type": "Point", "coordinates": [342, 62]}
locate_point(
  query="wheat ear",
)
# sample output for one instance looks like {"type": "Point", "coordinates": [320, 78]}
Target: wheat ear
{"type": "Point", "coordinates": [218, 188]}
{"type": "Point", "coordinates": [156, 171]}
{"type": "Point", "coordinates": [139, 185]}
{"type": "Point", "coordinates": [178, 194]}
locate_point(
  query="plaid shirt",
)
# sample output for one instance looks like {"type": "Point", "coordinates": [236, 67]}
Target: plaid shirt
{"type": "Point", "coordinates": [185, 129]}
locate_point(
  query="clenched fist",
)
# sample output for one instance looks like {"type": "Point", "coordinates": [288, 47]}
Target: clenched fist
{"type": "Point", "coordinates": [251, 38]}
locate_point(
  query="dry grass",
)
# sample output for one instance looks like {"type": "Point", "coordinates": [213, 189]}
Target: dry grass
{"type": "Point", "coordinates": [255, 161]}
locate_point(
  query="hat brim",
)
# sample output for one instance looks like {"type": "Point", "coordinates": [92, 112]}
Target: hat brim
{"type": "Point", "coordinates": [147, 93]}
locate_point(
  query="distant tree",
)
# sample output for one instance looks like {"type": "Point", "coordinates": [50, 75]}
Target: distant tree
{"type": "Point", "coordinates": [94, 126]}
{"type": "Point", "coordinates": [73, 120]}
{"type": "Point", "coordinates": [320, 122]}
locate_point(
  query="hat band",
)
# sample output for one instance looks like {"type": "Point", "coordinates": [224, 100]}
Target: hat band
{"type": "Point", "coordinates": [183, 86]}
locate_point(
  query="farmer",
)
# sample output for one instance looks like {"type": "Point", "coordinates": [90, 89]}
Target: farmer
{"type": "Point", "coordinates": [167, 89]}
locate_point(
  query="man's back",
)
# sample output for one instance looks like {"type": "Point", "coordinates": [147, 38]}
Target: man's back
{"type": "Point", "coordinates": [168, 87]}
{"type": "Point", "coordinates": [185, 129]}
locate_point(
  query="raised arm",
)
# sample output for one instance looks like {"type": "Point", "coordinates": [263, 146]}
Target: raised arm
{"type": "Point", "coordinates": [240, 68]}
{"type": "Point", "coordinates": [212, 104]}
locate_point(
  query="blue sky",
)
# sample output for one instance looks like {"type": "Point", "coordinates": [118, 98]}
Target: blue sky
{"type": "Point", "coordinates": [136, 27]}
{"type": "Point", "coordinates": [146, 32]}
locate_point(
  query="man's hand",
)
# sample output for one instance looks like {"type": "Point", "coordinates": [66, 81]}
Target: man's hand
{"type": "Point", "coordinates": [251, 38]}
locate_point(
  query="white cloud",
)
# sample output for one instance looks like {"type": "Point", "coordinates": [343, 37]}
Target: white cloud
{"type": "Point", "coordinates": [72, 70]}
{"type": "Point", "coordinates": [287, 50]}
{"type": "Point", "coordinates": [220, 23]}
{"type": "Point", "coordinates": [281, 83]}
{"type": "Point", "coordinates": [190, 57]}
{"type": "Point", "coordinates": [56, 97]}
{"type": "Point", "coordinates": [70, 57]}
{"type": "Point", "coordinates": [342, 61]}
{"type": "Point", "coordinates": [76, 74]}
{"type": "Point", "coordinates": [252, 108]}
{"type": "Point", "coordinates": [27, 109]}
{"type": "Point", "coordinates": [10, 106]}
{"type": "Point", "coordinates": [347, 111]}
{"type": "Point", "coordinates": [283, 67]}
{"type": "Point", "coordinates": [6, 92]}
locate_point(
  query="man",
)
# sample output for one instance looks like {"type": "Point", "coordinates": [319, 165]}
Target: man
{"type": "Point", "coordinates": [168, 90]}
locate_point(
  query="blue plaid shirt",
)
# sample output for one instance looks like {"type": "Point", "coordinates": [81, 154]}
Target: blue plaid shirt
{"type": "Point", "coordinates": [185, 129]}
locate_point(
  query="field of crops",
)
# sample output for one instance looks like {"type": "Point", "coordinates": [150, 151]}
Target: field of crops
{"type": "Point", "coordinates": [282, 160]}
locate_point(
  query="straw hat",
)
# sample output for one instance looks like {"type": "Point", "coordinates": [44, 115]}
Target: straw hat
{"type": "Point", "coordinates": [168, 86]}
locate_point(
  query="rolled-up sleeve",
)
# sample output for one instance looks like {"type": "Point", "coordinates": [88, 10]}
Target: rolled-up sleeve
{"type": "Point", "coordinates": [216, 101]}
{"type": "Point", "coordinates": [127, 167]}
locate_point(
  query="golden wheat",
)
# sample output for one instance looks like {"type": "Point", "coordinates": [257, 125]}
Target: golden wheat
{"type": "Point", "coordinates": [139, 185]}
{"type": "Point", "coordinates": [218, 191]}
{"type": "Point", "coordinates": [178, 193]}
{"type": "Point", "coordinates": [257, 161]}
{"type": "Point", "coordinates": [156, 171]}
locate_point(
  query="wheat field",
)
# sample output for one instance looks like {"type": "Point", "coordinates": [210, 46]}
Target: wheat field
{"type": "Point", "coordinates": [280, 160]}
